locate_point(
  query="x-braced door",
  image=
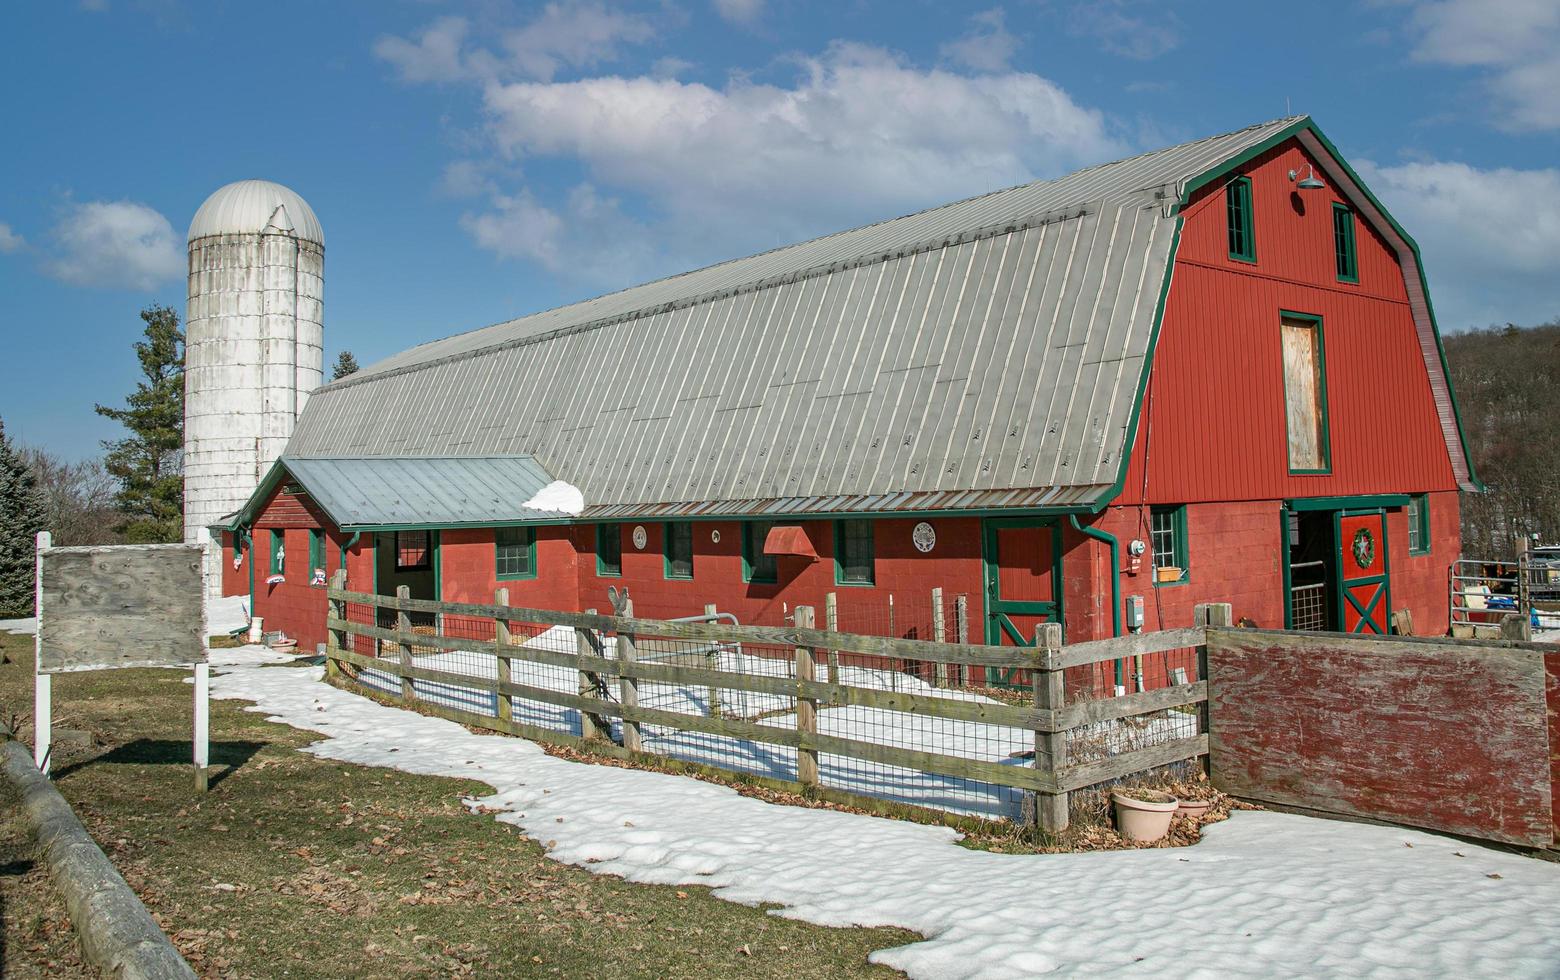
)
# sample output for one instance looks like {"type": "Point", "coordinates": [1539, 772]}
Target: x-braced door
{"type": "Point", "coordinates": [1023, 558]}
{"type": "Point", "coordinates": [1365, 585]}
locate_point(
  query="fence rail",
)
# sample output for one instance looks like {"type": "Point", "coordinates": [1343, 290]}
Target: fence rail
{"type": "Point", "coordinates": [756, 699]}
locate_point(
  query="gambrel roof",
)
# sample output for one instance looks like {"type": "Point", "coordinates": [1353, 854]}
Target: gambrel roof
{"type": "Point", "coordinates": [986, 354]}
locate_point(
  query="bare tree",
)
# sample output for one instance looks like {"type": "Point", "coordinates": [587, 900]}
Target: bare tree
{"type": "Point", "coordinates": [78, 498]}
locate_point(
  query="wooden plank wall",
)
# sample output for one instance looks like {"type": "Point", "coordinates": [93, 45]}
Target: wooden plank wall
{"type": "Point", "coordinates": [1441, 734]}
{"type": "Point", "coordinates": [121, 606]}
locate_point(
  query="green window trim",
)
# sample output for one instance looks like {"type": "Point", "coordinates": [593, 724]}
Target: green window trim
{"type": "Point", "coordinates": [278, 551]}
{"type": "Point", "coordinates": [514, 553]}
{"type": "Point", "coordinates": [757, 566]}
{"type": "Point", "coordinates": [609, 540]}
{"type": "Point", "coordinates": [677, 536]}
{"type": "Point", "coordinates": [1167, 537]}
{"type": "Point", "coordinates": [1239, 220]}
{"type": "Point", "coordinates": [316, 551]}
{"type": "Point", "coordinates": [1346, 260]}
{"type": "Point", "coordinates": [1324, 422]}
{"type": "Point", "coordinates": [854, 546]}
{"type": "Point", "coordinates": [1418, 512]}
{"type": "Point", "coordinates": [412, 545]}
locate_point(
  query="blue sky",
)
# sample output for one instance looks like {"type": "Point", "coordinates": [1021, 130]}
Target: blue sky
{"type": "Point", "coordinates": [473, 162]}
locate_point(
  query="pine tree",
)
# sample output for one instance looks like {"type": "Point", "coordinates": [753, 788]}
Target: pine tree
{"type": "Point", "coordinates": [149, 464]}
{"type": "Point", "coordinates": [21, 518]}
{"type": "Point", "coordinates": [345, 364]}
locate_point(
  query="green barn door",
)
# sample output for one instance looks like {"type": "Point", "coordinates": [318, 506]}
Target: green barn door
{"type": "Point", "coordinates": [1023, 557]}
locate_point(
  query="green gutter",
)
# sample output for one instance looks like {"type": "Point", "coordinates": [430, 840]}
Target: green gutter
{"type": "Point", "coordinates": [1115, 578]}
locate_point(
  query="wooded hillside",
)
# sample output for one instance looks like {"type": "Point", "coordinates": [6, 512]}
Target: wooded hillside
{"type": "Point", "coordinates": [1507, 381]}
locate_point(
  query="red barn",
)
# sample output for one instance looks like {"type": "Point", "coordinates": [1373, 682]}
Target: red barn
{"type": "Point", "coordinates": [1210, 372]}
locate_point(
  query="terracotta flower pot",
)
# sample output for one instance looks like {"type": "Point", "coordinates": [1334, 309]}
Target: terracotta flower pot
{"type": "Point", "coordinates": [1143, 814]}
{"type": "Point", "coordinates": [1194, 809]}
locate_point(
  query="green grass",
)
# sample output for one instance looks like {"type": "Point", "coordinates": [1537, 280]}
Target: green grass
{"type": "Point", "coordinates": [293, 866]}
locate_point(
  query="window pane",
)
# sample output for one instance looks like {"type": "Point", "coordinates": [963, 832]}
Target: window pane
{"type": "Point", "coordinates": [514, 551]}
{"type": "Point", "coordinates": [609, 549]}
{"type": "Point", "coordinates": [760, 567]}
{"type": "Point", "coordinates": [278, 552]}
{"type": "Point", "coordinates": [1238, 212]}
{"type": "Point", "coordinates": [411, 550]}
{"type": "Point", "coordinates": [1304, 394]}
{"type": "Point", "coordinates": [1418, 523]}
{"type": "Point", "coordinates": [1167, 530]}
{"type": "Point", "coordinates": [316, 553]}
{"type": "Point", "coordinates": [679, 551]}
{"type": "Point", "coordinates": [1343, 244]}
{"type": "Point", "coordinates": [856, 558]}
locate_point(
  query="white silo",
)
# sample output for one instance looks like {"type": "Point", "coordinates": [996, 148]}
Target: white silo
{"type": "Point", "coordinates": [254, 330]}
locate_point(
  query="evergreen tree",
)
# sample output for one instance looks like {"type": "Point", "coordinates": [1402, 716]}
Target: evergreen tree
{"type": "Point", "coordinates": [21, 518]}
{"type": "Point", "coordinates": [148, 465]}
{"type": "Point", "coordinates": [345, 364]}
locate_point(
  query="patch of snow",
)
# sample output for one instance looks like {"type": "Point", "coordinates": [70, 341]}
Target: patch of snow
{"type": "Point", "coordinates": [559, 495]}
{"type": "Point", "coordinates": [1263, 894]}
{"type": "Point", "coordinates": [226, 614]}
{"type": "Point", "coordinates": [27, 626]}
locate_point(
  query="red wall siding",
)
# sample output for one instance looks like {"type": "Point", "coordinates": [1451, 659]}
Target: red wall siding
{"type": "Point", "coordinates": [468, 569]}
{"type": "Point", "coordinates": [1213, 422]}
{"type": "Point", "coordinates": [1420, 582]}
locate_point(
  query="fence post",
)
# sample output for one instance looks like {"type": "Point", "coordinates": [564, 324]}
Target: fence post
{"type": "Point", "coordinates": [501, 642]}
{"type": "Point", "coordinates": [806, 708]}
{"type": "Point", "coordinates": [1050, 747]}
{"type": "Point", "coordinates": [585, 646]}
{"type": "Point", "coordinates": [403, 624]}
{"type": "Point", "coordinates": [335, 639]}
{"type": "Point", "coordinates": [709, 615]}
{"type": "Point", "coordinates": [961, 631]}
{"type": "Point", "coordinates": [939, 633]}
{"type": "Point", "coordinates": [1205, 614]}
{"type": "Point", "coordinates": [831, 622]}
{"type": "Point", "coordinates": [629, 686]}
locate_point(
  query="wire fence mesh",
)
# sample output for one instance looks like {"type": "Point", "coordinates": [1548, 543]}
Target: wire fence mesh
{"type": "Point", "coordinates": [733, 703]}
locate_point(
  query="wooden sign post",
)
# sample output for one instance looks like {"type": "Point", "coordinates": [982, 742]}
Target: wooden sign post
{"type": "Point", "coordinates": [120, 606]}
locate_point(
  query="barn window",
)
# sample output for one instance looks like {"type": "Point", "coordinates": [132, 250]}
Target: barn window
{"type": "Point", "coordinates": [514, 552]}
{"type": "Point", "coordinates": [679, 550]}
{"type": "Point", "coordinates": [757, 566]}
{"type": "Point", "coordinates": [412, 553]}
{"type": "Point", "coordinates": [853, 557]}
{"type": "Point", "coordinates": [1345, 258]}
{"type": "Point", "coordinates": [1243, 245]}
{"type": "Point", "coordinates": [1305, 393]}
{"type": "Point", "coordinates": [278, 551]}
{"type": "Point", "coordinates": [316, 552]}
{"type": "Point", "coordinates": [1419, 524]}
{"type": "Point", "coordinates": [609, 549]}
{"type": "Point", "coordinates": [1168, 532]}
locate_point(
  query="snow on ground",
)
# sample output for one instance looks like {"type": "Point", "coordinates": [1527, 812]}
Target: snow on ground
{"type": "Point", "coordinates": [1264, 894]}
{"type": "Point", "coordinates": [227, 614]}
{"type": "Point", "coordinates": [20, 627]}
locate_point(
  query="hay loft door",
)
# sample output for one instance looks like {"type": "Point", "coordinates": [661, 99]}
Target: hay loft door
{"type": "Point", "coordinates": [1023, 558]}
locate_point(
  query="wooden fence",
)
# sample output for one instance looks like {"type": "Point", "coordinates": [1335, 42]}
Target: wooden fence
{"type": "Point", "coordinates": [615, 656]}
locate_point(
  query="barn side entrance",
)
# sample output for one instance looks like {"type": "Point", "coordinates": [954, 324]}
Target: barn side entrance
{"type": "Point", "coordinates": [1023, 560]}
{"type": "Point", "coordinates": [411, 559]}
{"type": "Point", "coordinates": [1337, 577]}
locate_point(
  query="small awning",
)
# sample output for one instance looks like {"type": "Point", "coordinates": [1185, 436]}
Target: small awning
{"type": "Point", "coordinates": [384, 492]}
{"type": "Point", "coordinates": [789, 539]}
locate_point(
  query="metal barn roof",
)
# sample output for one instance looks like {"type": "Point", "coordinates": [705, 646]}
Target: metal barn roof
{"type": "Point", "coordinates": [447, 491]}
{"type": "Point", "coordinates": [986, 351]}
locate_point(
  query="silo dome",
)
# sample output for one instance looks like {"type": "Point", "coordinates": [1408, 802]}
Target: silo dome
{"type": "Point", "coordinates": [252, 207]}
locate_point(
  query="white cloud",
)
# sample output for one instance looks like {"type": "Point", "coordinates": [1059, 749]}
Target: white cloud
{"type": "Point", "coordinates": [588, 237]}
{"type": "Point", "coordinates": [435, 54]}
{"type": "Point", "coordinates": [1517, 42]}
{"type": "Point", "coordinates": [1127, 28]}
{"type": "Point", "coordinates": [10, 241]}
{"type": "Point", "coordinates": [987, 46]}
{"type": "Point", "coordinates": [739, 11]}
{"type": "Point", "coordinates": [860, 135]}
{"type": "Point", "coordinates": [563, 35]}
{"type": "Point", "coordinates": [115, 244]}
{"type": "Point", "coordinates": [1490, 238]}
